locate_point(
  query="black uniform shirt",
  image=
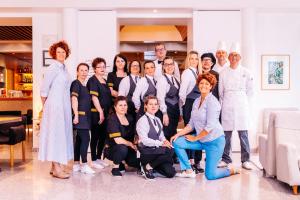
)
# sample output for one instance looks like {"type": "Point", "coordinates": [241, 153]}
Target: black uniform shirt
{"type": "Point", "coordinates": [84, 104]}
{"type": "Point", "coordinates": [116, 129]}
{"type": "Point", "coordinates": [103, 93]}
{"type": "Point", "coordinates": [113, 81]}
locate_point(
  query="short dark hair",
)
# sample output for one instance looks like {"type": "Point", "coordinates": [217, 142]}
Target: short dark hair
{"type": "Point", "coordinates": [115, 65]}
{"type": "Point", "coordinates": [159, 44]}
{"type": "Point", "coordinates": [84, 64]}
{"type": "Point", "coordinates": [62, 44]}
{"type": "Point", "coordinates": [209, 77]}
{"type": "Point", "coordinates": [167, 58]}
{"type": "Point", "coordinates": [118, 99]}
{"type": "Point", "coordinates": [129, 70]}
{"type": "Point", "coordinates": [209, 55]}
{"type": "Point", "coordinates": [98, 60]}
{"type": "Point", "coordinates": [148, 61]}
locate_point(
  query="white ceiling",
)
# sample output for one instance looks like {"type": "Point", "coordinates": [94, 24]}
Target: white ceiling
{"type": "Point", "coordinates": [153, 4]}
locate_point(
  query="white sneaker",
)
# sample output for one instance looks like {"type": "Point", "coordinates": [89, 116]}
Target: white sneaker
{"type": "Point", "coordinates": [246, 165]}
{"type": "Point", "coordinates": [76, 167]}
{"type": "Point", "coordinates": [102, 162]}
{"type": "Point", "coordinates": [186, 175]}
{"type": "Point", "coordinates": [96, 165]}
{"type": "Point", "coordinates": [86, 169]}
{"type": "Point", "coordinates": [222, 164]}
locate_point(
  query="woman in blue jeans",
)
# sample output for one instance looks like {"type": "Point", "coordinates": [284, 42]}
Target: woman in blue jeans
{"type": "Point", "coordinates": [210, 135]}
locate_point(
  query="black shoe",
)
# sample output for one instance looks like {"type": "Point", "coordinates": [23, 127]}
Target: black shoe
{"type": "Point", "coordinates": [148, 174]}
{"type": "Point", "coordinates": [139, 172]}
{"type": "Point", "coordinates": [122, 167]}
{"type": "Point", "coordinates": [116, 172]}
{"type": "Point", "coordinates": [197, 169]}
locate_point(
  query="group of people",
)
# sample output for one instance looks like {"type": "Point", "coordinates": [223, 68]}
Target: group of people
{"type": "Point", "coordinates": [131, 118]}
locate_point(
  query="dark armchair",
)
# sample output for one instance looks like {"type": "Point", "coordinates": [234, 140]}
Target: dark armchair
{"type": "Point", "coordinates": [12, 134]}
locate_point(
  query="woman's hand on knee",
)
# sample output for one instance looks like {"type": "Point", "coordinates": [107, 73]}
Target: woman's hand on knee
{"type": "Point", "coordinates": [173, 138]}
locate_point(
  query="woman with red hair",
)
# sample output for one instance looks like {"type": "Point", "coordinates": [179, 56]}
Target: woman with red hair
{"type": "Point", "coordinates": [209, 133]}
{"type": "Point", "coordinates": [56, 134]}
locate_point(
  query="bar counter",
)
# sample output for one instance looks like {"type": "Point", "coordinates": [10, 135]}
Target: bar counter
{"type": "Point", "coordinates": [15, 103]}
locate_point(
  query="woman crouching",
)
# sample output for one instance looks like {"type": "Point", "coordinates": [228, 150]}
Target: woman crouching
{"type": "Point", "coordinates": [156, 151]}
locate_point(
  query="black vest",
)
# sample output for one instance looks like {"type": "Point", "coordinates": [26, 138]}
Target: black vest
{"type": "Point", "coordinates": [151, 88]}
{"type": "Point", "coordinates": [131, 88]}
{"type": "Point", "coordinates": [194, 94]}
{"type": "Point", "coordinates": [172, 96]}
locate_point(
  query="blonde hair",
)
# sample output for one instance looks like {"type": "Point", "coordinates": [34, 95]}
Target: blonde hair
{"type": "Point", "coordinates": [187, 61]}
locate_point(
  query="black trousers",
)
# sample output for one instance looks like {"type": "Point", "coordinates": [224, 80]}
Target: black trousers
{"type": "Point", "coordinates": [98, 136]}
{"type": "Point", "coordinates": [187, 110]}
{"type": "Point", "coordinates": [121, 152]}
{"type": "Point", "coordinates": [173, 114]}
{"type": "Point", "coordinates": [82, 140]}
{"type": "Point", "coordinates": [162, 163]}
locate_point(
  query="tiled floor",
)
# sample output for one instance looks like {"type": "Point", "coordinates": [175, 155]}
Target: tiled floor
{"type": "Point", "coordinates": [31, 180]}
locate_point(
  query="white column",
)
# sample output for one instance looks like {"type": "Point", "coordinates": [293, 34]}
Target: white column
{"type": "Point", "coordinates": [249, 61]}
{"type": "Point", "coordinates": [70, 35]}
{"type": "Point", "coordinates": [194, 32]}
{"type": "Point", "coordinates": [248, 37]}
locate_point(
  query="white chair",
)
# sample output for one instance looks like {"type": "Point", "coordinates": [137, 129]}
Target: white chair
{"type": "Point", "coordinates": [267, 141]}
{"type": "Point", "coordinates": [287, 131]}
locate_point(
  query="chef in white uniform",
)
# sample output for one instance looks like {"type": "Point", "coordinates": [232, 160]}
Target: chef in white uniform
{"type": "Point", "coordinates": [221, 55]}
{"type": "Point", "coordinates": [235, 90]}
{"type": "Point", "coordinates": [161, 52]}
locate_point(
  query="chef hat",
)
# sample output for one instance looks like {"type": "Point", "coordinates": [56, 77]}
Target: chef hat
{"type": "Point", "coordinates": [222, 46]}
{"type": "Point", "coordinates": [235, 48]}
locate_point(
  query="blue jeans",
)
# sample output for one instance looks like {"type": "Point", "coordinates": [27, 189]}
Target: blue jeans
{"type": "Point", "coordinates": [245, 147]}
{"type": "Point", "coordinates": [213, 149]}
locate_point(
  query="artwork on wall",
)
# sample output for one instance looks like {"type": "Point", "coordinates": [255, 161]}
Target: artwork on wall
{"type": "Point", "coordinates": [275, 72]}
{"type": "Point", "coordinates": [47, 60]}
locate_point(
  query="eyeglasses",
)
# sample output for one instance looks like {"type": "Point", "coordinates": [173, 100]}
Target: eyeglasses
{"type": "Point", "coordinates": [206, 59]}
{"type": "Point", "coordinates": [103, 67]}
{"type": "Point", "coordinates": [168, 64]}
{"type": "Point", "coordinates": [135, 65]}
{"type": "Point", "coordinates": [161, 49]}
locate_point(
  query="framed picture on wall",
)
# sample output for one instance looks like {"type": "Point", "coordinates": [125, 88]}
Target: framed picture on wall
{"type": "Point", "coordinates": [47, 60]}
{"type": "Point", "coordinates": [275, 72]}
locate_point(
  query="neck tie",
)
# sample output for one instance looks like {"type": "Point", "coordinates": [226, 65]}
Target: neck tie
{"type": "Point", "coordinates": [173, 80]}
{"type": "Point", "coordinates": [159, 61]}
{"type": "Point", "coordinates": [154, 81]}
{"type": "Point", "coordinates": [136, 79]}
{"type": "Point", "coordinates": [155, 123]}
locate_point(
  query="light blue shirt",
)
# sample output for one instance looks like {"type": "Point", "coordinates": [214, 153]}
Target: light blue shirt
{"type": "Point", "coordinates": [207, 118]}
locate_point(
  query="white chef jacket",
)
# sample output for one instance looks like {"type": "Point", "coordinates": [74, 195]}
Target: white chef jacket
{"type": "Point", "coordinates": [235, 90]}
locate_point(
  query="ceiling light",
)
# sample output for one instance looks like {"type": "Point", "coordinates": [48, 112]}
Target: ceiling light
{"type": "Point", "coordinates": [154, 10]}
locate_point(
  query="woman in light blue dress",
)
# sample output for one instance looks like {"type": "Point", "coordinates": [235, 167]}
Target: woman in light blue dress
{"type": "Point", "coordinates": [56, 136]}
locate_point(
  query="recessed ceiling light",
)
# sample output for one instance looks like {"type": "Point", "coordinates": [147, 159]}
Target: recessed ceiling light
{"type": "Point", "coordinates": [154, 10]}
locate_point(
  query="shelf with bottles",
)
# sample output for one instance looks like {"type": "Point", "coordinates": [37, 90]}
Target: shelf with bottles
{"type": "Point", "coordinates": [24, 69]}
{"type": "Point", "coordinates": [2, 76]}
{"type": "Point", "coordinates": [24, 75]}
{"type": "Point", "coordinates": [24, 87]}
